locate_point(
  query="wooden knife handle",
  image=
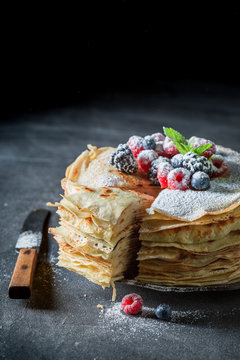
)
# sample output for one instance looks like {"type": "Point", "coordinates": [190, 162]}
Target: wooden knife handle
{"type": "Point", "coordinates": [20, 286]}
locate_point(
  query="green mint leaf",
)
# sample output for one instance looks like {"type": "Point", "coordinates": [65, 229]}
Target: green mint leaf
{"type": "Point", "coordinates": [175, 136]}
{"type": "Point", "coordinates": [178, 140]}
{"type": "Point", "coordinates": [190, 143]}
{"type": "Point", "coordinates": [200, 149]}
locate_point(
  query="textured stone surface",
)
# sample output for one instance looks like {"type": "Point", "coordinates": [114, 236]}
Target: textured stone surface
{"type": "Point", "coordinates": [62, 320]}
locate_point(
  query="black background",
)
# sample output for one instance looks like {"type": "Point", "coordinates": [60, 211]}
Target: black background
{"type": "Point", "coordinates": [57, 56]}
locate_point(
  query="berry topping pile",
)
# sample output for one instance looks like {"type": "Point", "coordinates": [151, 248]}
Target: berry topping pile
{"type": "Point", "coordinates": [132, 304]}
{"type": "Point", "coordinates": [170, 160]}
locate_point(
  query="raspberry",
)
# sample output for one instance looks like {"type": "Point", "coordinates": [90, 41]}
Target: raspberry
{"type": "Point", "coordinates": [193, 162]}
{"type": "Point", "coordinates": [200, 141]}
{"type": "Point", "coordinates": [135, 143]}
{"type": "Point", "coordinates": [169, 147]}
{"type": "Point", "coordinates": [145, 159]}
{"type": "Point", "coordinates": [200, 181]}
{"type": "Point", "coordinates": [149, 143]}
{"type": "Point", "coordinates": [179, 179]}
{"type": "Point", "coordinates": [132, 304]}
{"type": "Point", "coordinates": [177, 160]}
{"type": "Point", "coordinates": [123, 160]}
{"type": "Point", "coordinates": [219, 165]}
{"type": "Point", "coordinates": [152, 173]}
{"type": "Point", "coordinates": [163, 170]}
{"type": "Point", "coordinates": [158, 137]}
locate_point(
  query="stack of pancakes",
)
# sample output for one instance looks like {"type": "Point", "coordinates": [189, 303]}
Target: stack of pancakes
{"type": "Point", "coordinates": [187, 238]}
{"type": "Point", "coordinates": [98, 232]}
{"type": "Point", "coordinates": [198, 253]}
{"type": "Point", "coordinates": [192, 238]}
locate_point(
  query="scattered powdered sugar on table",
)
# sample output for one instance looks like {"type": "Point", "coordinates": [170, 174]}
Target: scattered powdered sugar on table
{"type": "Point", "coordinates": [147, 321]}
{"type": "Point", "coordinates": [29, 240]}
{"type": "Point", "coordinates": [191, 204]}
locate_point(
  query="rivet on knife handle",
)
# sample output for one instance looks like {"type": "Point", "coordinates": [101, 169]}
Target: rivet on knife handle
{"type": "Point", "coordinates": [22, 280]}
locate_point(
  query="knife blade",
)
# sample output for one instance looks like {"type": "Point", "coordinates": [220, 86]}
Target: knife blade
{"type": "Point", "coordinates": [28, 245]}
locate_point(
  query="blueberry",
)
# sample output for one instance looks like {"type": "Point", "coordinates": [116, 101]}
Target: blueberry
{"type": "Point", "coordinates": [163, 312]}
{"type": "Point", "coordinates": [200, 180]}
{"type": "Point", "coordinates": [177, 161]}
{"type": "Point", "coordinates": [149, 143]}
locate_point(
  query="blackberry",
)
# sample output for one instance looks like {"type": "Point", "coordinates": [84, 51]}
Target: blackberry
{"type": "Point", "coordinates": [152, 173]}
{"type": "Point", "coordinates": [193, 162]}
{"type": "Point", "coordinates": [177, 161]}
{"type": "Point", "coordinates": [149, 143]}
{"type": "Point", "coordinates": [123, 160]}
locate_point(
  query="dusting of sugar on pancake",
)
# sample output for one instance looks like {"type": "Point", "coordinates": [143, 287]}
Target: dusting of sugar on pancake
{"type": "Point", "coordinates": [191, 205]}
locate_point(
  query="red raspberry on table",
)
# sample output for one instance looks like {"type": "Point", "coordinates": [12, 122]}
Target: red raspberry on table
{"type": "Point", "coordinates": [135, 143]}
{"type": "Point", "coordinates": [158, 137]}
{"type": "Point", "coordinates": [200, 141]}
{"type": "Point", "coordinates": [169, 147]}
{"type": "Point", "coordinates": [219, 165]}
{"type": "Point", "coordinates": [164, 169]}
{"type": "Point", "coordinates": [132, 304]}
{"type": "Point", "coordinates": [179, 179]}
{"type": "Point", "coordinates": [145, 159]}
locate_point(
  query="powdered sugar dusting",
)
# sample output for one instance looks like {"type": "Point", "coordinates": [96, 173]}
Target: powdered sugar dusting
{"type": "Point", "coordinates": [110, 180]}
{"type": "Point", "coordinates": [147, 321]}
{"type": "Point", "coordinates": [29, 240]}
{"type": "Point", "coordinates": [191, 204]}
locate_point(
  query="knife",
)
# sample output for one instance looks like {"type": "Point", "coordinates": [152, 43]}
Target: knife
{"type": "Point", "coordinates": [28, 245]}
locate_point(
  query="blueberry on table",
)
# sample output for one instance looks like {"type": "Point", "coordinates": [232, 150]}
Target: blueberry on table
{"type": "Point", "coordinates": [163, 312]}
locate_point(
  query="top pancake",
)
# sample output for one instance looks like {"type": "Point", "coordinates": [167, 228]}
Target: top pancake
{"type": "Point", "coordinates": [223, 195]}
{"type": "Point", "coordinates": [92, 169]}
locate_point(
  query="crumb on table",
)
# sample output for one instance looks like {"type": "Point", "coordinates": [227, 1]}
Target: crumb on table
{"type": "Point", "coordinates": [99, 306]}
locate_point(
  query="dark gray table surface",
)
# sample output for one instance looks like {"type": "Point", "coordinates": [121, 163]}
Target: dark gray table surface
{"type": "Point", "coordinates": [62, 320]}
